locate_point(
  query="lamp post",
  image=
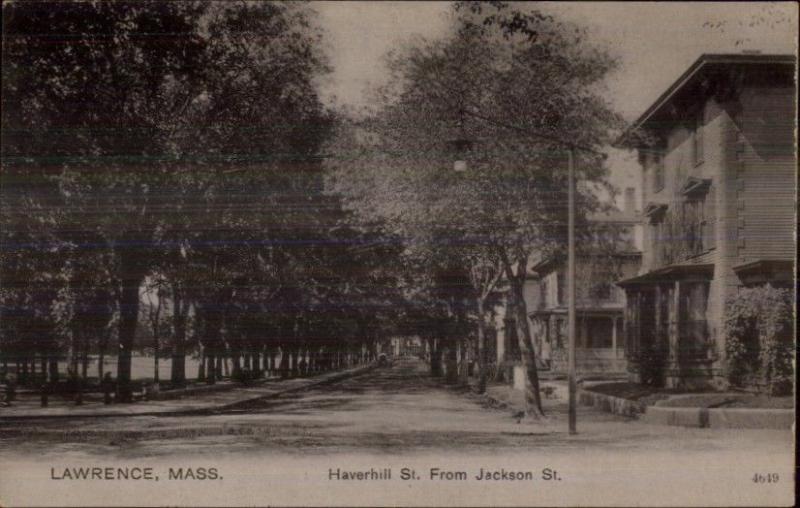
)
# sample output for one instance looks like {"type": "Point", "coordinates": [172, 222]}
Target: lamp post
{"type": "Point", "coordinates": [572, 385]}
{"type": "Point", "coordinates": [464, 145]}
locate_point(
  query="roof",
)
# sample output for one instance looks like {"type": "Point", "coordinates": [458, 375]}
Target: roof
{"type": "Point", "coordinates": [670, 273]}
{"type": "Point", "coordinates": [549, 263]}
{"type": "Point", "coordinates": [767, 268]}
{"type": "Point", "coordinates": [698, 70]}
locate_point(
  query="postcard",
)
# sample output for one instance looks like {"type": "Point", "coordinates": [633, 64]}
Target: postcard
{"type": "Point", "coordinates": [264, 253]}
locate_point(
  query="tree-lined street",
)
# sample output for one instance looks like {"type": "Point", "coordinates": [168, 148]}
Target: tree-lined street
{"type": "Point", "coordinates": [205, 255]}
{"type": "Point", "coordinates": [398, 410]}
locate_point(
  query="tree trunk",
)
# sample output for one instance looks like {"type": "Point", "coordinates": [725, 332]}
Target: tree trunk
{"type": "Point", "coordinates": [212, 341]}
{"type": "Point", "coordinates": [463, 367]}
{"type": "Point", "coordinates": [211, 366]}
{"type": "Point", "coordinates": [270, 362]}
{"type": "Point", "coordinates": [101, 355]}
{"type": "Point", "coordinates": [156, 379]}
{"type": "Point", "coordinates": [481, 347]}
{"type": "Point", "coordinates": [237, 366]}
{"type": "Point", "coordinates": [451, 376]}
{"type": "Point", "coordinates": [53, 369]}
{"type": "Point", "coordinates": [295, 356]}
{"type": "Point", "coordinates": [284, 363]}
{"type": "Point", "coordinates": [85, 358]}
{"type": "Point", "coordinates": [178, 368]}
{"type": "Point", "coordinates": [436, 357]}
{"type": "Point", "coordinates": [129, 313]}
{"type": "Point", "coordinates": [533, 399]}
{"type": "Point", "coordinates": [201, 366]}
{"type": "Point", "coordinates": [222, 365]}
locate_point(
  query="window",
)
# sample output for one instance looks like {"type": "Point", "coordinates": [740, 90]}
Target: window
{"type": "Point", "coordinates": [697, 140]}
{"type": "Point", "coordinates": [561, 287]}
{"type": "Point", "coordinates": [560, 333]}
{"type": "Point", "coordinates": [543, 293]}
{"type": "Point", "coordinates": [601, 290]}
{"type": "Point", "coordinates": [601, 332]}
{"type": "Point", "coordinates": [700, 222]}
{"type": "Point", "coordinates": [658, 233]}
{"type": "Point", "coordinates": [658, 172]}
{"type": "Point", "coordinates": [709, 222]}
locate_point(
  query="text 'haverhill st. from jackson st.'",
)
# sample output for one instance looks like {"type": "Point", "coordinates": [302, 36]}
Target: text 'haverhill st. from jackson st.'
{"type": "Point", "coordinates": [439, 474]}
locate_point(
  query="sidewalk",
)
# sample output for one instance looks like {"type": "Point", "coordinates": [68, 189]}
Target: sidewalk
{"type": "Point", "coordinates": [503, 395]}
{"type": "Point", "coordinates": [213, 401]}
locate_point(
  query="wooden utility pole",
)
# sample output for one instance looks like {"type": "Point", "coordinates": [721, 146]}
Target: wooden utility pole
{"type": "Point", "coordinates": [571, 292]}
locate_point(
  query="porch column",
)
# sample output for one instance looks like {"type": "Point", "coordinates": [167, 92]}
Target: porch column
{"type": "Point", "coordinates": [614, 320]}
{"type": "Point", "coordinates": [674, 331]}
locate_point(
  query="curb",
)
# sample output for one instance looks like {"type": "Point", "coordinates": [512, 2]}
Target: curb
{"type": "Point", "coordinates": [190, 411]}
{"type": "Point", "coordinates": [721, 418]}
{"type": "Point", "coordinates": [717, 418]}
{"type": "Point", "coordinates": [320, 382]}
{"type": "Point", "coordinates": [611, 404]}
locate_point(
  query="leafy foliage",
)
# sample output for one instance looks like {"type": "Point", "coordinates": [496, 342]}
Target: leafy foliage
{"type": "Point", "coordinates": [506, 90]}
{"type": "Point", "coordinates": [759, 333]}
{"type": "Point", "coordinates": [174, 138]}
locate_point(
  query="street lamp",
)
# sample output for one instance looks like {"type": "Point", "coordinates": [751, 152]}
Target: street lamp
{"type": "Point", "coordinates": [572, 385]}
{"type": "Point", "coordinates": [462, 146]}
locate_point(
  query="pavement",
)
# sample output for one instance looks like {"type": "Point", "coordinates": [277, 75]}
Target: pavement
{"type": "Point", "coordinates": [400, 408]}
{"type": "Point", "coordinates": [29, 408]}
{"type": "Point", "coordinates": [281, 450]}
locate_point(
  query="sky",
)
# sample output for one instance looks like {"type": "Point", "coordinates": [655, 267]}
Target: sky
{"type": "Point", "coordinates": [655, 42]}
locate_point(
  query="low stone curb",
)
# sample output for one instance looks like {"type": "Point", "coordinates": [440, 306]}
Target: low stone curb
{"type": "Point", "coordinates": [718, 418]}
{"type": "Point", "coordinates": [291, 389]}
{"type": "Point", "coordinates": [611, 404]}
{"type": "Point", "coordinates": [200, 389]}
{"type": "Point", "coordinates": [183, 411]}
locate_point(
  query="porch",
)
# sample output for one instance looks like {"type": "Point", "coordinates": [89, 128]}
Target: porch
{"type": "Point", "coordinates": [599, 348]}
{"type": "Point", "coordinates": [667, 337]}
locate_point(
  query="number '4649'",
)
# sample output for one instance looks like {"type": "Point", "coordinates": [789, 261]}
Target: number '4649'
{"type": "Point", "coordinates": [766, 478]}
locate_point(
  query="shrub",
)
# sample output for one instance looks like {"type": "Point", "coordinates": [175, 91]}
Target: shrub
{"type": "Point", "coordinates": [759, 336]}
{"type": "Point", "coordinates": [652, 361]}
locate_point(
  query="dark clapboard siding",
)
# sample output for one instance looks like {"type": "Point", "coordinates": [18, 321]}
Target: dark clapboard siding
{"type": "Point", "coordinates": [769, 170]}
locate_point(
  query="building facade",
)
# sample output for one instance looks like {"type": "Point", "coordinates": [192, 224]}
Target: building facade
{"type": "Point", "coordinates": [600, 304]}
{"type": "Point", "coordinates": [718, 169]}
{"type": "Point", "coordinates": [614, 253]}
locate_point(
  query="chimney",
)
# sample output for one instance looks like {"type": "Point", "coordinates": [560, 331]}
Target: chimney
{"type": "Point", "coordinates": [629, 203]}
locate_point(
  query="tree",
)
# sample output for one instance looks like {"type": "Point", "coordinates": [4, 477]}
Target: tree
{"type": "Point", "coordinates": [146, 110]}
{"type": "Point", "coordinates": [509, 88]}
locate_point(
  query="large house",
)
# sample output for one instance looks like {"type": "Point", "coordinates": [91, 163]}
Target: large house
{"type": "Point", "coordinates": [612, 253]}
{"type": "Point", "coordinates": [599, 304]}
{"type": "Point", "coordinates": [718, 168]}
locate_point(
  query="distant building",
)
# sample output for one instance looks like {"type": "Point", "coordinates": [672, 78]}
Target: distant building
{"type": "Point", "coordinates": [612, 254]}
{"type": "Point", "coordinates": [718, 181]}
{"type": "Point", "coordinates": [599, 304]}
{"type": "Point", "coordinates": [399, 346]}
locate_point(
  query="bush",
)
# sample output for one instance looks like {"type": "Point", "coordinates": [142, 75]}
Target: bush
{"type": "Point", "coordinates": [652, 361]}
{"type": "Point", "coordinates": [759, 336]}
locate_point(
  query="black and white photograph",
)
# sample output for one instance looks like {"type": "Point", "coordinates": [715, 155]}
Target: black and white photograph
{"type": "Point", "coordinates": [364, 253]}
